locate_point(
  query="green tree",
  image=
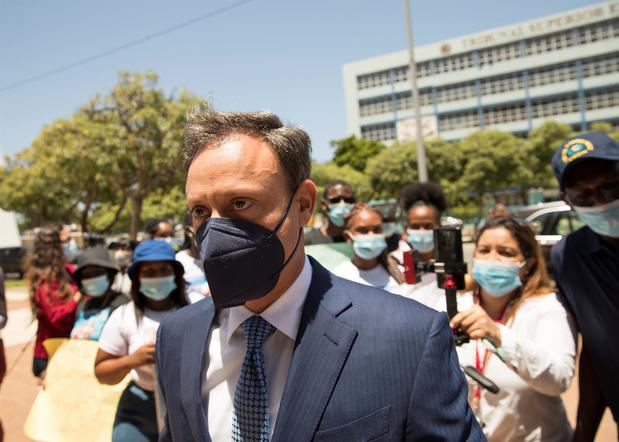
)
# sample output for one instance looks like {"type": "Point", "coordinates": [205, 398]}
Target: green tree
{"type": "Point", "coordinates": [391, 169]}
{"type": "Point", "coordinates": [494, 161]}
{"type": "Point", "coordinates": [112, 155]}
{"type": "Point", "coordinates": [323, 174]}
{"type": "Point", "coordinates": [543, 141]}
{"type": "Point", "coordinates": [355, 152]}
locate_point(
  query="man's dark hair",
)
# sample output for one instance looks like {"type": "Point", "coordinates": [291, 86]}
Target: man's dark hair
{"type": "Point", "coordinates": [428, 194]}
{"type": "Point", "coordinates": [152, 227]}
{"type": "Point", "coordinates": [292, 146]}
{"type": "Point", "coordinates": [331, 184]}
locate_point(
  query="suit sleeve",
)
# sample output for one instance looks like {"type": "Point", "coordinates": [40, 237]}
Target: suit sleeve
{"type": "Point", "coordinates": [164, 435]}
{"type": "Point", "coordinates": [438, 408]}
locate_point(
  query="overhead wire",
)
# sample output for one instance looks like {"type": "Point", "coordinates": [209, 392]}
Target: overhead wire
{"type": "Point", "coordinates": [124, 46]}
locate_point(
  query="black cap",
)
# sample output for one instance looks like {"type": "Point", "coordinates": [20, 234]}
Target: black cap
{"type": "Point", "coordinates": [583, 147]}
{"type": "Point", "coordinates": [93, 256]}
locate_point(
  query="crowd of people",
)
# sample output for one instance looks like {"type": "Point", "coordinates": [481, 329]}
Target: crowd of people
{"type": "Point", "coordinates": [523, 325]}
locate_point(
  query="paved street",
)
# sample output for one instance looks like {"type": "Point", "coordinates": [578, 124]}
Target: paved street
{"type": "Point", "coordinates": [19, 388]}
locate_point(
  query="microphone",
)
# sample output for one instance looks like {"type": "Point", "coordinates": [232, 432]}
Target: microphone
{"type": "Point", "coordinates": [474, 374]}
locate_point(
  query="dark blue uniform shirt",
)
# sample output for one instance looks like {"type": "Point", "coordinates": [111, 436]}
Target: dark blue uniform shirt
{"type": "Point", "coordinates": [587, 272]}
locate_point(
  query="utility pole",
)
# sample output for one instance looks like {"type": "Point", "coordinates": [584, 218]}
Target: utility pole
{"type": "Point", "coordinates": [422, 166]}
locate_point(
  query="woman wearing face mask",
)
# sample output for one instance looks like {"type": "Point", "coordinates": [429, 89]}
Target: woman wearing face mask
{"type": "Point", "coordinates": [522, 338]}
{"type": "Point", "coordinates": [423, 205]}
{"type": "Point", "coordinates": [370, 264]}
{"type": "Point", "coordinates": [127, 343]}
{"type": "Point", "coordinates": [196, 285]}
{"type": "Point", "coordinates": [94, 276]}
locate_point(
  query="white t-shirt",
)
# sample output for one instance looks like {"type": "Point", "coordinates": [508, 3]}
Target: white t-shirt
{"type": "Point", "coordinates": [122, 335]}
{"type": "Point", "coordinates": [196, 284]}
{"type": "Point", "coordinates": [539, 347]}
{"type": "Point", "coordinates": [377, 277]}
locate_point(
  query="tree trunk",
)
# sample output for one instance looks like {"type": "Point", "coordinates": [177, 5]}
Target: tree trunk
{"type": "Point", "coordinates": [84, 218]}
{"type": "Point", "coordinates": [121, 207]}
{"type": "Point", "coordinates": [136, 216]}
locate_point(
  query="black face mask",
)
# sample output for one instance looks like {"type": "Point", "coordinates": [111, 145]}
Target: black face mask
{"type": "Point", "coordinates": [242, 260]}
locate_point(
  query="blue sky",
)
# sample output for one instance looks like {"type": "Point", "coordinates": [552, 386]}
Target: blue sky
{"type": "Point", "coordinates": [285, 56]}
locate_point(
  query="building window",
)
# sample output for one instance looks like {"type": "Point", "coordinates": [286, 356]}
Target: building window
{"type": "Point", "coordinates": [602, 98]}
{"type": "Point", "coordinates": [552, 74]}
{"type": "Point", "coordinates": [552, 106]}
{"type": "Point", "coordinates": [379, 132]}
{"type": "Point", "coordinates": [506, 113]}
{"type": "Point", "coordinates": [500, 85]}
{"type": "Point", "coordinates": [608, 64]}
{"type": "Point", "coordinates": [458, 120]}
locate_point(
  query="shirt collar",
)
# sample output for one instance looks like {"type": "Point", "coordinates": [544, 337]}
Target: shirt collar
{"type": "Point", "coordinates": [284, 314]}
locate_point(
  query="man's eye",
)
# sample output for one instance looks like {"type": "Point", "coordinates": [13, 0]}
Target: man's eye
{"type": "Point", "coordinates": [241, 204]}
{"type": "Point", "coordinates": [199, 212]}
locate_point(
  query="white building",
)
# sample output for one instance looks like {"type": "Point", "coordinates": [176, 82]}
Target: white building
{"type": "Point", "coordinates": [563, 67]}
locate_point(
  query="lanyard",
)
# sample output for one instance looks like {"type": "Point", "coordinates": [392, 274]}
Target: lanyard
{"type": "Point", "coordinates": [482, 362]}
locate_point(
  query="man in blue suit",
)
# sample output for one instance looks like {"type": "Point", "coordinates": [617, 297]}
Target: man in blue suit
{"type": "Point", "coordinates": [284, 350]}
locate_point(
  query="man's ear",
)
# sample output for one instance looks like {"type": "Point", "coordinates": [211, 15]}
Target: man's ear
{"type": "Point", "coordinates": [306, 197]}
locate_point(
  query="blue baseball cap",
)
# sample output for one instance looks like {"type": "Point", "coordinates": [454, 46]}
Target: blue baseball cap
{"type": "Point", "coordinates": [583, 147]}
{"type": "Point", "coordinates": [153, 250]}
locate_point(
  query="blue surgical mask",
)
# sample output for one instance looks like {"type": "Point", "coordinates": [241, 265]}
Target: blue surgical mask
{"type": "Point", "coordinates": [369, 246]}
{"type": "Point", "coordinates": [338, 213]}
{"type": "Point", "coordinates": [497, 278]}
{"type": "Point", "coordinates": [96, 286]}
{"type": "Point", "coordinates": [603, 220]}
{"type": "Point", "coordinates": [157, 289]}
{"type": "Point", "coordinates": [421, 240]}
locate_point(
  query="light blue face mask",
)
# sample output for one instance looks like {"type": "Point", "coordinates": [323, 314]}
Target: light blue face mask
{"type": "Point", "coordinates": [369, 246]}
{"type": "Point", "coordinates": [603, 220]}
{"type": "Point", "coordinates": [421, 240]}
{"type": "Point", "coordinates": [96, 286]}
{"type": "Point", "coordinates": [338, 213]}
{"type": "Point", "coordinates": [157, 289]}
{"type": "Point", "coordinates": [497, 278]}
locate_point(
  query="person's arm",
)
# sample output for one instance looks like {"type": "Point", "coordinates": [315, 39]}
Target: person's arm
{"type": "Point", "coordinates": [547, 360]}
{"type": "Point", "coordinates": [111, 369]}
{"type": "Point", "coordinates": [60, 315]}
{"type": "Point", "coordinates": [165, 434]}
{"type": "Point", "coordinates": [113, 361]}
{"type": "Point", "coordinates": [438, 408]}
{"type": "Point", "coordinates": [591, 403]}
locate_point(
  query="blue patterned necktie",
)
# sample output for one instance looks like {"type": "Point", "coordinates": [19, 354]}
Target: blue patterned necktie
{"type": "Point", "coordinates": [250, 416]}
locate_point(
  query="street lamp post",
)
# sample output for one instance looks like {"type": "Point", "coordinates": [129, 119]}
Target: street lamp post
{"type": "Point", "coordinates": [422, 166]}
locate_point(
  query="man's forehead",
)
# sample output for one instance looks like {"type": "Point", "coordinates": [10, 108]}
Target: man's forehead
{"type": "Point", "coordinates": [339, 189]}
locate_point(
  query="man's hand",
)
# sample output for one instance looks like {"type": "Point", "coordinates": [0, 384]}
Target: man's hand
{"type": "Point", "coordinates": [476, 323]}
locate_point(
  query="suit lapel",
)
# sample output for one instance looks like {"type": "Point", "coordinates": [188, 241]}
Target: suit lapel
{"type": "Point", "coordinates": [322, 346]}
{"type": "Point", "coordinates": [192, 369]}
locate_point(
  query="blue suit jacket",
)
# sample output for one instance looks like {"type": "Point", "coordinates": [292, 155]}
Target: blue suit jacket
{"type": "Point", "coordinates": [367, 365]}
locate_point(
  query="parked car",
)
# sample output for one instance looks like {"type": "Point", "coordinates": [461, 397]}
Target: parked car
{"type": "Point", "coordinates": [11, 261]}
{"type": "Point", "coordinates": [550, 222]}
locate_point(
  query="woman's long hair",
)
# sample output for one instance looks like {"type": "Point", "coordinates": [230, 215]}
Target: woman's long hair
{"type": "Point", "coordinates": [536, 282]}
{"type": "Point", "coordinates": [387, 262]}
{"type": "Point", "coordinates": [46, 264]}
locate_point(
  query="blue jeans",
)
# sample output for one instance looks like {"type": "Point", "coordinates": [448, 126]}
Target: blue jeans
{"type": "Point", "coordinates": [136, 417]}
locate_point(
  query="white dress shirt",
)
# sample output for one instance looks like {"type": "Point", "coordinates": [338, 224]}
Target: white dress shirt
{"type": "Point", "coordinates": [539, 349]}
{"type": "Point", "coordinates": [226, 351]}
